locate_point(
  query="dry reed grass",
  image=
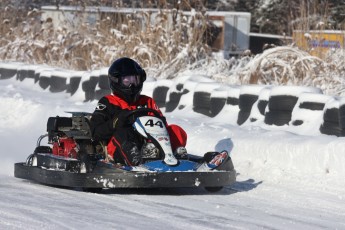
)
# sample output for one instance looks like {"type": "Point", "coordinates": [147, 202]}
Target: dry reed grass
{"type": "Point", "coordinates": [154, 44]}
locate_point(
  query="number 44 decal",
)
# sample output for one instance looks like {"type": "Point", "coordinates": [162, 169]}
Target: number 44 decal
{"type": "Point", "coordinates": [150, 123]}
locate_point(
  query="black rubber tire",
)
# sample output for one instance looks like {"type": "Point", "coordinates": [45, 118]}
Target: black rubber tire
{"type": "Point", "coordinates": [341, 112]}
{"type": "Point", "coordinates": [44, 82]}
{"type": "Point", "coordinates": [201, 103]}
{"type": "Point", "coordinates": [278, 118]}
{"type": "Point", "coordinates": [159, 94]}
{"type": "Point", "coordinates": [216, 105]}
{"type": "Point", "coordinates": [7, 73]}
{"type": "Point", "coordinates": [282, 102]}
{"type": "Point", "coordinates": [312, 105]}
{"type": "Point", "coordinates": [331, 115]}
{"type": "Point", "coordinates": [73, 85]}
{"type": "Point", "coordinates": [262, 104]}
{"type": "Point", "coordinates": [22, 73]}
{"type": "Point", "coordinates": [330, 128]}
{"type": "Point", "coordinates": [174, 100]}
{"type": "Point", "coordinates": [89, 87]}
{"type": "Point", "coordinates": [103, 82]}
{"type": "Point", "coordinates": [57, 84]}
{"type": "Point", "coordinates": [242, 117]}
{"type": "Point", "coordinates": [246, 101]}
{"type": "Point", "coordinates": [232, 101]}
{"type": "Point", "coordinates": [101, 93]}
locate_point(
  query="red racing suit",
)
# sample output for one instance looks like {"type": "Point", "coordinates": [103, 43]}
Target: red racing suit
{"type": "Point", "coordinates": [109, 107]}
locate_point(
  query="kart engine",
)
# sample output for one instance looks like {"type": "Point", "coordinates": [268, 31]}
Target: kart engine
{"type": "Point", "coordinates": [65, 146]}
{"type": "Point", "coordinates": [70, 135]}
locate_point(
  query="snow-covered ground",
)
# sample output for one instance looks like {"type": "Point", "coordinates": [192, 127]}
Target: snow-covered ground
{"type": "Point", "coordinates": [285, 180]}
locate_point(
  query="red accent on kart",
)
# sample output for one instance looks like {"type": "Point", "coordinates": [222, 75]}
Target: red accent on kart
{"type": "Point", "coordinates": [178, 137]}
{"type": "Point", "coordinates": [65, 147]}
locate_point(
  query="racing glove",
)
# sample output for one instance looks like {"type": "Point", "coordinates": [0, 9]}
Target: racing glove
{"type": "Point", "coordinates": [121, 119]}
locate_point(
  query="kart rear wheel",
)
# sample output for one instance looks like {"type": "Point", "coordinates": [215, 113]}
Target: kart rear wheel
{"type": "Point", "coordinates": [214, 189]}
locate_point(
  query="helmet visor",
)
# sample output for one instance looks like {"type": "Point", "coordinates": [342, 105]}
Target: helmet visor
{"type": "Point", "coordinates": [130, 80]}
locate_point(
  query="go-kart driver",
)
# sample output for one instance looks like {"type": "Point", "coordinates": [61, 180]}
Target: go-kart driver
{"type": "Point", "coordinates": [109, 122]}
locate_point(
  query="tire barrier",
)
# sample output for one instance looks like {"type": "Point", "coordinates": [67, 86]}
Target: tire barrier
{"type": "Point", "coordinates": [301, 108]}
{"type": "Point", "coordinates": [103, 82]}
{"type": "Point", "coordinates": [331, 121]}
{"type": "Point", "coordinates": [160, 91]}
{"type": "Point", "coordinates": [58, 81]}
{"type": "Point", "coordinates": [89, 87]}
{"type": "Point", "coordinates": [99, 93]}
{"type": "Point", "coordinates": [44, 79]}
{"type": "Point", "coordinates": [281, 102]}
{"type": "Point", "coordinates": [257, 113]}
{"type": "Point", "coordinates": [173, 101]}
{"type": "Point", "coordinates": [25, 71]}
{"type": "Point", "coordinates": [74, 83]}
{"type": "Point", "coordinates": [102, 86]}
{"type": "Point", "coordinates": [181, 95]}
{"type": "Point", "coordinates": [8, 70]}
{"type": "Point", "coordinates": [218, 99]}
{"type": "Point", "coordinates": [308, 112]}
{"type": "Point", "coordinates": [342, 116]}
{"type": "Point", "coordinates": [202, 98]}
{"type": "Point", "coordinates": [249, 94]}
{"type": "Point", "coordinates": [174, 95]}
{"type": "Point", "coordinates": [230, 110]}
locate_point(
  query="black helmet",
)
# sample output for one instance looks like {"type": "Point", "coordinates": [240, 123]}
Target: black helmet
{"type": "Point", "coordinates": [126, 67]}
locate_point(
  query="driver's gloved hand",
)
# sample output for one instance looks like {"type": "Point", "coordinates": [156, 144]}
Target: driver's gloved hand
{"type": "Point", "coordinates": [121, 119]}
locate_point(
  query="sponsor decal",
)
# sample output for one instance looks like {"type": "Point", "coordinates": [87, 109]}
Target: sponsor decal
{"type": "Point", "coordinates": [325, 44]}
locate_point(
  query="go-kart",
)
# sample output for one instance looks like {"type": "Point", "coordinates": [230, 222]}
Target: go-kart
{"type": "Point", "coordinates": [72, 159]}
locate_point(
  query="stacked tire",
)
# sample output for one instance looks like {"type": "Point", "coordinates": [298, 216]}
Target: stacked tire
{"type": "Point", "coordinates": [44, 78]}
{"type": "Point", "coordinates": [89, 83]}
{"type": "Point", "coordinates": [227, 99]}
{"type": "Point", "coordinates": [308, 111]}
{"type": "Point", "coordinates": [342, 116]}
{"type": "Point", "coordinates": [331, 119]}
{"type": "Point", "coordinates": [218, 99]}
{"type": "Point", "coordinates": [182, 93]}
{"type": "Point", "coordinates": [282, 101]}
{"type": "Point", "coordinates": [248, 96]}
{"type": "Point", "coordinates": [102, 88]}
{"type": "Point", "coordinates": [58, 80]}
{"type": "Point", "coordinates": [8, 70]}
{"type": "Point", "coordinates": [174, 96]}
{"type": "Point", "coordinates": [74, 82]}
{"type": "Point", "coordinates": [160, 91]}
{"type": "Point", "coordinates": [257, 113]}
{"type": "Point", "coordinates": [25, 71]}
{"type": "Point", "coordinates": [202, 98]}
